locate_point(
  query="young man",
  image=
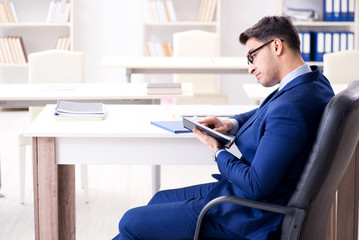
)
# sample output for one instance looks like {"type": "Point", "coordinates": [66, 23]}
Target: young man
{"type": "Point", "coordinates": [275, 141]}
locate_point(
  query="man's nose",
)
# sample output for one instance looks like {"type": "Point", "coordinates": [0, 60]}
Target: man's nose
{"type": "Point", "coordinates": [251, 68]}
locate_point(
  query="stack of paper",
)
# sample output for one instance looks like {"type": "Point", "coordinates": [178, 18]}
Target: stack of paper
{"type": "Point", "coordinates": [67, 110]}
{"type": "Point", "coordinates": [164, 88]}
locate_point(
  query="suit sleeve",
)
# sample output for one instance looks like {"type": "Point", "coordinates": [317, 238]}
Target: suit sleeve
{"type": "Point", "coordinates": [284, 136]}
{"type": "Point", "coordinates": [242, 118]}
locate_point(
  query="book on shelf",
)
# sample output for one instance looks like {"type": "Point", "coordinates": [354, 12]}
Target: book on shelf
{"type": "Point", "coordinates": [12, 50]}
{"type": "Point", "coordinates": [164, 88]}
{"type": "Point", "coordinates": [225, 140]}
{"type": "Point", "coordinates": [63, 43]}
{"type": "Point", "coordinates": [159, 11]}
{"type": "Point", "coordinates": [206, 10]}
{"type": "Point", "coordinates": [171, 126]}
{"type": "Point", "coordinates": [69, 110]}
{"type": "Point", "coordinates": [59, 11]}
{"type": "Point", "coordinates": [8, 13]}
{"type": "Point", "coordinates": [157, 49]}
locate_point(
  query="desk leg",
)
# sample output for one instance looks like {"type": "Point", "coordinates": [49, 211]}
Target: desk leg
{"type": "Point", "coordinates": [54, 193]}
{"type": "Point", "coordinates": [0, 180]}
{"type": "Point", "coordinates": [156, 178]}
{"type": "Point", "coordinates": [128, 75]}
{"type": "Point", "coordinates": [343, 223]}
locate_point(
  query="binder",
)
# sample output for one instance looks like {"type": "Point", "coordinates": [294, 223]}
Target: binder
{"type": "Point", "coordinates": [350, 41]}
{"type": "Point", "coordinates": [305, 45]}
{"type": "Point", "coordinates": [344, 10]}
{"type": "Point", "coordinates": [343, 41]}
{"type": "Point", "coordinates": [336, 42]}
{"type": "Point", "coordinates": [336, 10]}
{"type": "Point", "coordinates": [318, 46]}
{"type": "Point", "coordinates": [351, 10]}
{"type": "Point", "coordinates": [328, 42]}
{"type": "Point", "coordinates": [328, 10]}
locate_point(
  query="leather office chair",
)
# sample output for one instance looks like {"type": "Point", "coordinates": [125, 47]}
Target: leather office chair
{"type": "Point", "coordinates": [198, 43]}
{"type": "Point", "coordinates": [307, 212]}
{"type": "Point", "coordinates": [51, 67]}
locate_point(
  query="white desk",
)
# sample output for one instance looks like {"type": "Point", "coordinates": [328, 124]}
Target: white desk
{"type": "Point", "coordinates": [257, 92]}
{"type": "Point", "coordinates": [58, 145]}
{"type": "Point", "coordinates": [169, 65]}
{"type": "Point", "coordinates": [26, 95]}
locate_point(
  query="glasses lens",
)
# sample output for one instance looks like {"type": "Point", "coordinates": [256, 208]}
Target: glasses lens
{"type": "Point", "coordinates": [249, 58]}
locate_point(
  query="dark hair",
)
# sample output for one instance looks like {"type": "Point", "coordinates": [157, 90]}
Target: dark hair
{"type": "Point", "coordinates": [272, 27]}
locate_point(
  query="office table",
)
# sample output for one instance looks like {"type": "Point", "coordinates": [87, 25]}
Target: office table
{"type": "Point", "coordinates": [26, 95]}
{"type": "Point", "coordinates": [29, 95]}
{"type": "Point", "coordinates": [169, 65]}
{"type": "Point", "coordinates": [58, 145]}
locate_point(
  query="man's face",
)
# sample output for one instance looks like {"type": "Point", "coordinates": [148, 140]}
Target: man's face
{"type": "Point", "coordinates": [263, 65]}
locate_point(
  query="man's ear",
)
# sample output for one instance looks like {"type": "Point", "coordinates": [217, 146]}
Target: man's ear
{"type": "Point", "coordinates": [278, 46]}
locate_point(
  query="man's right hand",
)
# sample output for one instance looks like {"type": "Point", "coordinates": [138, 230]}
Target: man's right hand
{"type": "Point", "coordinates": [222, 126]}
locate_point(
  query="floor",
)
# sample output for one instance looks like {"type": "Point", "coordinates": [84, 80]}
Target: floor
{"type": "Point", "coordinates": [112, 189]}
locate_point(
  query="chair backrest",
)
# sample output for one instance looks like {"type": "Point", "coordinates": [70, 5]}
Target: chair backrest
{"type": "Point", "coordinates": [55, 66]}
{"type": "Point", "coordinates": [197, 43]}
{"type": "Point", "coordinates": [341, 67]}
{"type": "Point", "coordinates": [337, 137]}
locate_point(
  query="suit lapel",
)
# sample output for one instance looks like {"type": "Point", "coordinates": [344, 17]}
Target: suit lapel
{"type": "Point", "coordinates": [307, 77]}
{"type": "Point", "coordinates": [265, 103]}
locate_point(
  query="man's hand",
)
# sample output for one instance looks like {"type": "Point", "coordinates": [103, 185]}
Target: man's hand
{"type": "Point", "coordinates": [207, 140]}
{"type": "Point", "coordinates": [222, 126]}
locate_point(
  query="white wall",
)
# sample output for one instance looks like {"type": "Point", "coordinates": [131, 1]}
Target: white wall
{"type": "Point", "coordinates": [113, 28]}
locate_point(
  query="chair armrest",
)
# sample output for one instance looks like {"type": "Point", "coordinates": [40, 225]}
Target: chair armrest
{"type": "Point", "coordinates": [298, 214]}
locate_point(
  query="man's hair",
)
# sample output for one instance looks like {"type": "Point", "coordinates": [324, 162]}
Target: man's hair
{"type": "Point", "coordinates": [272, 27]}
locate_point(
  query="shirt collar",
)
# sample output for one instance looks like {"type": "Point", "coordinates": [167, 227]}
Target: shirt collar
{"type": "Point", "coordinates": [293, 74]}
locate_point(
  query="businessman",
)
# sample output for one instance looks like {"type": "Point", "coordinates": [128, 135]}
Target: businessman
{"type": "Point", "coordinates": [275, 141]}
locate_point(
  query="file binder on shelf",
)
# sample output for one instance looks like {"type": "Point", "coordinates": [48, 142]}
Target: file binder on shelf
{"type": "Point", "coordinates": [343, 41]}
{"type": "Point", "coordinates": [336, 10]}
{"type": "Point", "coordinates": [305, 45]}
{"type": "Point", "coordinates": [328, 42]}
{"type": "Point", "coordinates": [344, 10]}
{"type": "Point", "coordinates": [351, 9]}
{"type": "Point", "coordinates": [335, 42]}
{"type": "Point", "coordinates": [317, 46]}
{"type": "Point", "coordinates": [328, 10]}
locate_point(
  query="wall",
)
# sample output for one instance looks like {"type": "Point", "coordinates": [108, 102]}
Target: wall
{"type": "Point", "coordinates": [113, 28]}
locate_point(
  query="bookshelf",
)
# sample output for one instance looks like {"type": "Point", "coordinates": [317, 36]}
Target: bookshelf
{"type": "Point", "coordinates": [160, 23]}
{"type": "Point", "coordinates": [40, 25]}
{"type": "Point", "coordinates": [158, 27]}
{"type": "Point", "coordinates": [319, 25]}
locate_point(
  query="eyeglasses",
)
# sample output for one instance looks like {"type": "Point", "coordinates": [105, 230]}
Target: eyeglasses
{"type": "Point", "coordinates": [249, 55]}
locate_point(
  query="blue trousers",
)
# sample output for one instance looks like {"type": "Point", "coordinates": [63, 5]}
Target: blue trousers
{"type": "Point", "coordinates": [171, 215]}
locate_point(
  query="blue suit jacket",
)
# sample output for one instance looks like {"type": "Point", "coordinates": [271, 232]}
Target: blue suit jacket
{"type": "Point", "coordinates": [275, 141]}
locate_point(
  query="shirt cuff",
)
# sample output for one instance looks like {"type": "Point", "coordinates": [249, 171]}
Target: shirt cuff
{"type": "Point", "coordinates": [219, 152]}
{"type": "Point", "coordinates": [235, 126]}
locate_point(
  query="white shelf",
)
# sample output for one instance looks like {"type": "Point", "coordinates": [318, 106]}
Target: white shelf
{"type": "Point", "coordinates": [186, 13]}
{"type": "Point", "coordinates": [36, 34]}
{"type": "Point", "coordinates": [35, 24]}
{"type": "Point", "coordinates": [180, 23]}
{"type": "Point", "coordinates": [324, 24]}
{"type": "Point", "coordinates": [12, 65]}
